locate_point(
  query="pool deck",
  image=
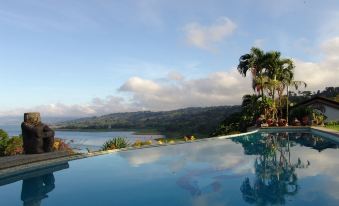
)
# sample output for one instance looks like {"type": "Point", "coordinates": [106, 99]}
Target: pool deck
{"type": "Point", "coordinates": [14, 165]}
{"type": "Point", "coordinates": [327, 130]}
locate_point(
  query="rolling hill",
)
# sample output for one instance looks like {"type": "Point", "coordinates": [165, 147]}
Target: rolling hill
{"type": "Point", "coordinates": [200, 121]}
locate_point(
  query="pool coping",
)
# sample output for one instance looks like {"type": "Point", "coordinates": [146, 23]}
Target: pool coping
{"type": "Point", "coordinates": [16, 170]}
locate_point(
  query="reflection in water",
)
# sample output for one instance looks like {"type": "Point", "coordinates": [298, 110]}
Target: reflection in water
{"type": "Point", "coordinates": [201, 168]}
{"type": "Point", "coordinates": [275, 174]}
{"type": "Point", "coordinates": [211, 177]}
{"type": "Point", "coordinates": [315, 142]}
{"type": "Point", "coordinates": [36, 188]}
{"type": "Point", "coordinates": [35, 184]}
{"type": "Point", "coordinates": [276, 169]}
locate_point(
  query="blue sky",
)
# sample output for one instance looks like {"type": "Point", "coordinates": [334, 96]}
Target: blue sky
{"type": "Point", "coordinates": [71, 57]}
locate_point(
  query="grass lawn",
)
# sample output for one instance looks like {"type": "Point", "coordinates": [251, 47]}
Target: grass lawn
{"type": "Point", "coordinates": [335, 127]}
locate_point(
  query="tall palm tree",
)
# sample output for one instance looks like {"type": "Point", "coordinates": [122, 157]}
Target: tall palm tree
{"type": "Point", "coordinates": [285, 77]}
{"type": "Point", "coordinates": [255, 63]}
{"type": "Point", "coordinates": [274, 64]}
{"type": "Point", "coordinates": [296, 85]}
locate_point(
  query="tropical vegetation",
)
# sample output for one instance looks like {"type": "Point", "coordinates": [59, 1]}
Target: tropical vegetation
{"type": "Point", "coordinates": [140, 143]}
{"type": "Point", "coordinates": [187, 138]}
{"type": "Point", "coordinates": [272, 76]}
{"type": "Point", "coordinates": [10, 145]}
{"type": "Point", "coordinates": [300, 96]}
{"type": "Point", "coordinates": [116, 143]}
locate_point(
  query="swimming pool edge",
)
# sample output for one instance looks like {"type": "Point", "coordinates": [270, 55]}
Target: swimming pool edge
{"type": "Point", "coordinates": [4, 173]}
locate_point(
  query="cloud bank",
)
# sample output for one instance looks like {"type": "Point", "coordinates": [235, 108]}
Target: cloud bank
{"type": "Point", "coordinates": [177, 91]}
{"type": "Point", "coordinates": [218, 88]}
{"type": "Point", "coordinates": [319, 75]}
{"type": "Point", "coordinates": [172, 92]}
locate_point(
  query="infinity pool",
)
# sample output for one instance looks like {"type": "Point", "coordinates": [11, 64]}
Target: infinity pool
{"type": "Point", "coordinates": [259, 169]}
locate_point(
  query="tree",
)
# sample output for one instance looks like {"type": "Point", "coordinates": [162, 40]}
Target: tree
{"type": "Point", "coordinates": [251, 107]}
{"type": "Point", "coordinates": [296, 85]}
{"type": "Point", "coordinates": [3, 142]}
{"type": "Point", "coordinates": [255, 62]}
{"type": "Point", "coordinates": [271, 74]}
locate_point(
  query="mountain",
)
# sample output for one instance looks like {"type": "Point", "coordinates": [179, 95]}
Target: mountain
{"type": "Point", "coordinates": [200, 121]}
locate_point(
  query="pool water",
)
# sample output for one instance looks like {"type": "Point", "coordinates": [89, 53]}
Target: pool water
{"type": "Point", "coordinates": [259, 169]}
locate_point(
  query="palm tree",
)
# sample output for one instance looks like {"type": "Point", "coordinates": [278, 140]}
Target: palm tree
{"type": "Point", "coordinates": [296, 85]}
{"type": "Point", "coordinates": [254, 62]}
{"type": "Point", "coordinates": [270, 73]}
{"type": "Point", "coordinates": [285, 77]}
{"type": "Point", "coordinates": [274, 64]}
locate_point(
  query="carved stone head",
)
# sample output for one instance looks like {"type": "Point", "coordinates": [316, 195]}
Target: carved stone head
{"type": "Point", "coordinates": [32, 118]}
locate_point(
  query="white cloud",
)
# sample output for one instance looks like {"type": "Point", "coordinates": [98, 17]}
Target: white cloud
{"type": "Point", "coordinates": [137, 84]}
{"type": "Point", "coordinates": [227, 157]}
{"type": "Point", "coordinates": [98, 106]}
{"type": "Point", "coordinates": [319, 75]}
{"type": "Point", "coordinates": [204, 37]}
{"type": "Point", "coordinates": [218, 88]}
{"type": "Point", "coordinates": [172, 92]}
{"type": "Point", "coordinates": [259, 43]}
{"type": "Point", "coordinates": [178, 91]}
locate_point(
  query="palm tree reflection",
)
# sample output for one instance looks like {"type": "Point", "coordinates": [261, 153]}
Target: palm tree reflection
{"type": "Point", "coordinates": [275, 174]}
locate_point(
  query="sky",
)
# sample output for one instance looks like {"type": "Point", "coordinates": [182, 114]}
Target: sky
{"type": "Point", "coordinates": [93, 57]}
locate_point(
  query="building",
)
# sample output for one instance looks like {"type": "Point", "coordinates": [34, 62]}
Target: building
{"type": "Point", "coordinates": [328, 107]}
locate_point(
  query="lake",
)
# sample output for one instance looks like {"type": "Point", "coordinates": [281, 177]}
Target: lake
{"type": "Point", "coordinates": [80, 140]}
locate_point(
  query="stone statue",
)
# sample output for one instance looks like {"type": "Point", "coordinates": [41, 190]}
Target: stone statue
{"type": "Point", "coordinates": [37, 137]}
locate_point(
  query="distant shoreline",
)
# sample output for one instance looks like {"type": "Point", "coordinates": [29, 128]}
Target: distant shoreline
{"type": "Point", "coordinates": [135, 131]}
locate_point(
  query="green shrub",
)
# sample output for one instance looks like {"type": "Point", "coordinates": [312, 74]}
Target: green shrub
{"type": "Point", "coordinates": [187, 138]}
{"type": "Point", "coordinates": [10, 145]}
{"type": "Point", "coordinates": [300, 112]}
{"type": "Point", "coordinates": [3, 142]}
{"type": "Point", "coordinates": [115, 143]}
{"type": "Point", "coordinates": [14, 146]}
{"type": "Point", "coordinates": [61, 145]}
{"type": "Point", "coordinates": [139, 143]}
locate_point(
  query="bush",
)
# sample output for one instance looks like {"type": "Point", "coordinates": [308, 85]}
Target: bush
{"type": "Point", "coordinates": [300, 112]}
{"type": "Point", "coordinates": [139, 143]}
{"type": "Point", "coordinates": [115, 143]}
{"type": "Point", "coordinates": [3, 142]}
{"type": "Point", "coordinates": [237, 122]}
{"type": "Point", "coordinates": [61, 145]}
{"type": "Point", "coordinates": [10, 145]}
{"type": "Point", "coordinates": [187, 138]}
{"type": "Point", "coordinates": [14, 146]}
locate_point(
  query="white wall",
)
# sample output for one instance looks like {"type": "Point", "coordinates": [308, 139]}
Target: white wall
{"type": "Point", "coordinates": [331, 113]}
